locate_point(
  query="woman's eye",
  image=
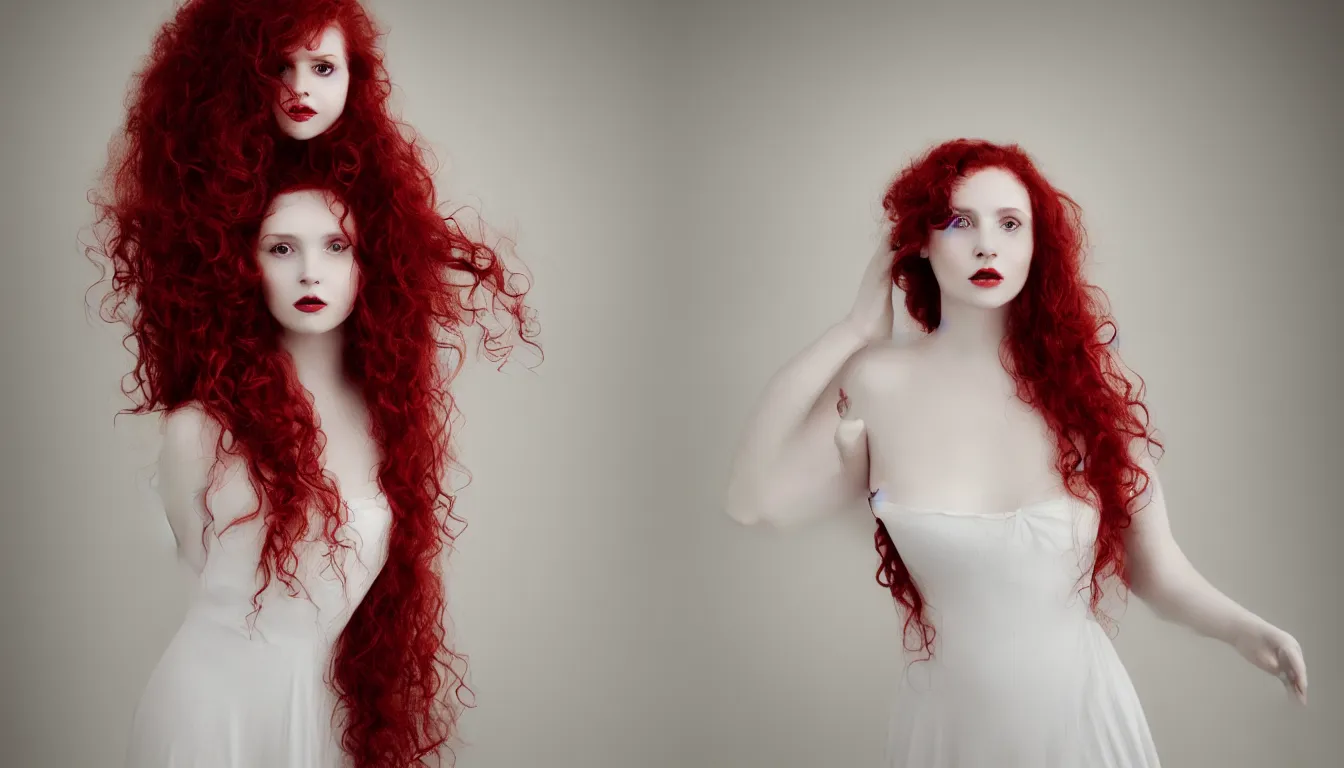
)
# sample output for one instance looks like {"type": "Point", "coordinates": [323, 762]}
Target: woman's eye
{"type": "Point", "coordinates": [281, 249]}
{"type": "Point", "coordinates": [961, 222]}
{"type": "Point", "coordinates": [339, 247]}
{"type": "Point", "coordinates": [1012, 224]}
{"type": "Point", "coordinates": [323, 69]}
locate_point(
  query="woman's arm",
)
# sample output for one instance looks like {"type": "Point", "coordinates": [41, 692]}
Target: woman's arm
{"type": "Point", "coordinates": [185, 458]}
{"type": "Point", "coordinates": [792, 462]}
{"type": "Point", "coordinates": [1164, 578]}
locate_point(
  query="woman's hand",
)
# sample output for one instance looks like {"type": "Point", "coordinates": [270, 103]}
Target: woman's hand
{"type": "Point", "coordinates": [872, 316]}
{"type": "Point", "coordinates": [1278, 653]}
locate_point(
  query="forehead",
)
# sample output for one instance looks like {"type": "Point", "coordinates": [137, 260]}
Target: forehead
{"type": "Point", "coordinates": [329, 42]}
{"type": "Point", "coordinates": [990, 189]}
{"type": "Point", "coordinates": [305, 210]}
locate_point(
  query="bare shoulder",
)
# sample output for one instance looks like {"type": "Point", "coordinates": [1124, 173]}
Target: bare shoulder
{"type": "Point", "coordinates": [880, 369]}
{"type": "Point", "coordinates": [187, 425]}
{"type": "Point", "coordinates": [186, 457]}
{"type": "Point", "coordinates": [189, 438]}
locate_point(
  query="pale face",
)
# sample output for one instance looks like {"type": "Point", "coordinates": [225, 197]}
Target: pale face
{"type": "Point", "coordinates": [316, 80]}
{"type": "Point", "coordinates": [990, 229]}
{"type": "Point", "coordinates": [304, 256]}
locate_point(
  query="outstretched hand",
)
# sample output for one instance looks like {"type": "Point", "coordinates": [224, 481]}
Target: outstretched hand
{"type": "Point", "coordinates": [1277, 653]}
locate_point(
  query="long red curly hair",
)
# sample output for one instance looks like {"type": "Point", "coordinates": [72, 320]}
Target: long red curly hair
{"type": "Point", "coordinates": [179, 207]}
{"type": "Point", "coordinates": [1058, 348]}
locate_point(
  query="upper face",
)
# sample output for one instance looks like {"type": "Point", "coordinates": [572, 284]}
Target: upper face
{"type": "Point", "coordinates": [303, 253]}
{"type": "Point", "coordinates": [316, 80]}
{"type": "Point", "coordinates": [989, 228]}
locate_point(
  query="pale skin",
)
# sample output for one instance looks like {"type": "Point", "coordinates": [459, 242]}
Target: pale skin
{"type": "Point", "coordinates": [936, 424]}
{"type": "Point", "coordinates": [303, 250]}
{"type": "Point", "coordinates": [315, 81]}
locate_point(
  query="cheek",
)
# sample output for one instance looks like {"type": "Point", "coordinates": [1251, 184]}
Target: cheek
{"type": "Point", "coordinates": [949, 245]}
{"type": "Point", "coordinates": [269, 284]}
{"type": "Point", "coordinates": [339, 91]}
{"type": "Point", "coordinates": [350, 289]}
{"type": "Point", "coordinates": [1022, 249]}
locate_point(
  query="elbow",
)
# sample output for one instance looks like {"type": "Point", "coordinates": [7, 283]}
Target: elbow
{"type": "Point", "coordinates": [744, 518]}
{"type": "Point", "coordinates": [1159, 587]}
{"type": "Point", "coordinates": [1143, 579]}
{"type": "Point", "coordinates": [1146, 589]}
{"type": "Point", "coordinates": [742, 512]}
{"type": "Point", "coordinates": [746, 504]}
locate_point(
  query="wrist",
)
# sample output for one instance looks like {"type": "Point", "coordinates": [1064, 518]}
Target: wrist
{"type": "Point", "coordinates": [856, 334]}
{"type": "Point", "coordinates": [1246, 628]}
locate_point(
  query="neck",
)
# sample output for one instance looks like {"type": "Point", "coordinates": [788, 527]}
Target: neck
{"type": "Point", "coordinates": [317, 359]}
{"type": "Point", "coordinates": [970, 332]}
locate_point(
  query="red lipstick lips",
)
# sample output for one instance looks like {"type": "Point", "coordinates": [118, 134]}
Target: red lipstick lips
{"type": "Point", "coordinates": [987, 278]}
{"type": "Point", "coordinates": [309, 304]}
{"type": "Point", "coordinates": [300, 113]}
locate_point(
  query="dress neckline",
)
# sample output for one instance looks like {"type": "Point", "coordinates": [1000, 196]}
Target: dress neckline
{"type": "Point", "coordinates": [878, 497]}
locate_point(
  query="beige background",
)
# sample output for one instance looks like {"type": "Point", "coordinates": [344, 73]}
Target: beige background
{"type": "Point", "coordinates": [695, 187]}
{"type": "Point", "coordinates": [544, 115]}
{"type": "Point", "coordinates": [1203, 142]}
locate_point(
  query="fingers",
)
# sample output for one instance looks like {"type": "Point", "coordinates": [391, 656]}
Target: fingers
{"type": "Point", "coordinates": [883, 253]}
{"type": "Point", "coordinates": [1292, 669]}
{"type": "Point", "coordinates": [879, 267]}
{"type": "Point", "coordinates": [1297, 672]}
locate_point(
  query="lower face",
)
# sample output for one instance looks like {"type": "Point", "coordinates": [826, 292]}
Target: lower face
{"type": "Point", "coordinates": [982, 256]}
{"type": "Point", "coordinates": [301, 126]}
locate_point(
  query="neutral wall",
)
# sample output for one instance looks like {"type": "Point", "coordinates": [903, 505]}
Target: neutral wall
{"type": "Point", "coordinates": [695, 187]}
{"type": "Point", "coordinates": [1201, 140]}
{"type": "Point", "coordinates": [542, 115]}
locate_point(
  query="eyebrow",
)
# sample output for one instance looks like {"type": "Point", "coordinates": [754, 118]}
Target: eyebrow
{"type": "Point", "coordinates": [329, 56]}
{"type": "Point", "coordinates": [1000, 211]}
{"type": "Point", "coordinates": [287, 236]}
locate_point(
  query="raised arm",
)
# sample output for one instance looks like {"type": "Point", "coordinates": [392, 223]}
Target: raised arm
{"type": "Point", "coordinates": [795, 462]}
{"type": "Point", "coordinates": [187, 452]}
{"type": "Point", "coordinates": [1164, 578]}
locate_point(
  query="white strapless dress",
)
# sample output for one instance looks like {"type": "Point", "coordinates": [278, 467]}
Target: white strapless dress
{"type": "Point", "coordinates": [1022, 675]}
{"type": "Point", "coordinates": [236, 690]}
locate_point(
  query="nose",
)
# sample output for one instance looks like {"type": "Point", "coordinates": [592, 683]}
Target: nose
{"type": "Point", "coordinates": [297, 81]}
{"type": "Point", "coordinates": [309, 275]}
{"type": "Point", "coordinates": [986, 243]}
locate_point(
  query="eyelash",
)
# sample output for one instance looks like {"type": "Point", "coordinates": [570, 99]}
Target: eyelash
{"type": "Point", "coordinates": [285, 68]}
{"type": "Point", "coordinates": [274, 248]}
{"type": "Point", "coordinates": [952, 224]}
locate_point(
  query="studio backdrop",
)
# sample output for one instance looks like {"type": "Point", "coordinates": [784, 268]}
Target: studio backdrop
{"type": "Point", "coordinates": [695, 188]}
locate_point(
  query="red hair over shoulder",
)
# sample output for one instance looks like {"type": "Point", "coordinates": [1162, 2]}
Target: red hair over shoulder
{"type": "Point", "coordinates": [1058, 349]}
{"type": "Point", "coordinates": [179, 208]}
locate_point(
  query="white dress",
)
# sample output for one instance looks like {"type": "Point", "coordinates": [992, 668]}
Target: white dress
{"type": "Point", "coordinates": [237, 692]}
{"type": "Point", "coordinates": [1021, 675]}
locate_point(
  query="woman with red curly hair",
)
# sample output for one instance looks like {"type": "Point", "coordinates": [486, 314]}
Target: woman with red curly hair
{"type": "Point", "coordinates": [289, 283]}
{"type": "Point", "coordinates": [1005, 455]}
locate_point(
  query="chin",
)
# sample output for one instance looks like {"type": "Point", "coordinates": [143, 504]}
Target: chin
{"type": "Point", "coordinates": [302, 329]}
{"type": "Point", "coordinates": [991, 299]}
{"type": "Point", "coordinates": [301, 131]}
